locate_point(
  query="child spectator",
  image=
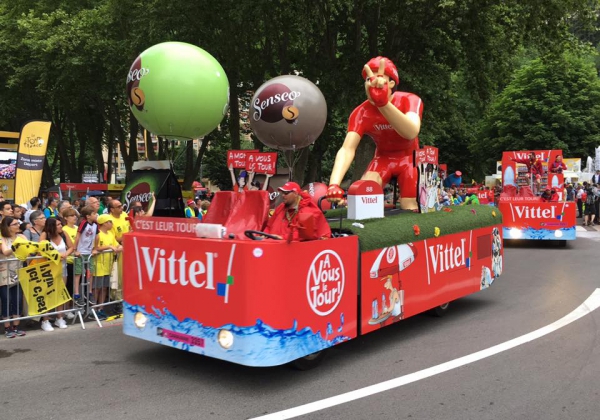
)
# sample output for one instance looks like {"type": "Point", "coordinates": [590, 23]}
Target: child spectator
{"type": "Point", "coordinates": [105, 240]}
{"type": "Point", "coordinates": [84, 245]}
{"type": "Point", "coordinates": [70, 229]}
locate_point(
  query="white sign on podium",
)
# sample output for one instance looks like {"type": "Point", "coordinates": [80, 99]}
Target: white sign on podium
{"type": "Point", "coordinates": [365, 200]}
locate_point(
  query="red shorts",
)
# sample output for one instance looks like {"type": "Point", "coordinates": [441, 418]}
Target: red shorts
{"type": "Point", "coordinates": [399, 165]}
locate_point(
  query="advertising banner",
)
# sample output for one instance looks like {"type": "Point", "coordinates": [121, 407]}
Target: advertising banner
{"type": "Point", "coordinates": [538, 220]}
{"type": "Point", "coordinates": [236, 159]}
{"type": "Point", "coordinates": [262, 163]}
{"type": "Point", "coordinates": [163, 183]}
{"type": "Point", "coordinates": [33, 144]}
{"type": "Point", "coordinates": [426, 161]}
{"type": "Point", "coordinates": [407, 279]}
{"type": "Point", "coordinates": [189, 289]}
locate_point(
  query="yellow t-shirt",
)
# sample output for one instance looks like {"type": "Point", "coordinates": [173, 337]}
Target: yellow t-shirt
{"type": "Point", "coordinates": [72, 232]}
{"type": "Point", "coordinates": [104, 261]}
{"type": "Point", "coordinates": [120, 225]}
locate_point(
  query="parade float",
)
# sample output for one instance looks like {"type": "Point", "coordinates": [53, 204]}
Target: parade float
{"type": "Point", "coordinates": [225, 289]}
{"type": "Point", "coordinates": [527, 214]}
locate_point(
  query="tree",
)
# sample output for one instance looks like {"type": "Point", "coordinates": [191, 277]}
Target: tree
{"type": "Point", "coordinates": [550, 104]}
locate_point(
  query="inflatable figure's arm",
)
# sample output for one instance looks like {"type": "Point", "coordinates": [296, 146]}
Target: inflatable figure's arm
{"type": "Point", "coordinates": [233, 180]}
{"type": "Point", "coordinates": [344, 158]}
{"type": "Point", "coordinates": [407, 125]}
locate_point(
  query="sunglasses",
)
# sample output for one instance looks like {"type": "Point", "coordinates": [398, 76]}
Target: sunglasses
{"type": "Point", "coordinates": [286, 192]}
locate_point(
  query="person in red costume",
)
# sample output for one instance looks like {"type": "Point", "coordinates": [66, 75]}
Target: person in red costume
{"type": "Point", "coordinates": [558, 166]}
{"type": "Point", "coordinates": [393, 121]}
{"type": "Point", "coordinates": [534, 168]}
{"type": "Point", "coordinates": [297, 205]}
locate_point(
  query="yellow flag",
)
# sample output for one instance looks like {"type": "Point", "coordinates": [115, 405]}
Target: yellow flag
{"type": "Point", "coordinates": [43, 287]}
{"type": "Point", "coordinates": [33, 144]}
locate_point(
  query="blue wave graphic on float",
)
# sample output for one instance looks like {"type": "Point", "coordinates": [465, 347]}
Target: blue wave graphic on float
{"type": "Point", "coordinates": [568, 234]}
{"type": "Point", "coordinates": [257, 345]}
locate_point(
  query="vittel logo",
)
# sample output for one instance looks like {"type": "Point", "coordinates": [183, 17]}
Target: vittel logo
{"type": "Point", "coordinates": [161, 266]}
{"type": "Point", "coordinates": [390, 255]}
{"type": "Point", "coordinates": [381, 127]}
{"type": "Point", "coordinates": [325, 282]}
{"type": "Point", "coordinates": [447, 257]}
{"type": "Point", "coordinates": [527, 212]}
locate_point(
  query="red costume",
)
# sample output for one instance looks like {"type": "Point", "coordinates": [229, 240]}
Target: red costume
{"type": "Point", "coordinates": [533, 167]}
{"type": "Point", "coordinates": [394, 154]}
{"type": "Point", "coordinates": [558, 167]}
{"type": "Point", "coordinates": [285, 221]}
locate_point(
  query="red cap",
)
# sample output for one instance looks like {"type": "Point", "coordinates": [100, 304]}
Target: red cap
{"type": "Point", "coordinates": [458, 173]}
{"type": "Point", "coordinates": [190, 201]}
{"type": "Point", "coordinates": [290, 187]}
{"type": "Point", "coordinates": [390, 68]}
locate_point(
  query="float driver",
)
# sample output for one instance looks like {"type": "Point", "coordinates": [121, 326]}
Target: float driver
{"type": "Point", "coordinates": [287, 219]}
{"type": "Point", "coordinates": [393, 121]}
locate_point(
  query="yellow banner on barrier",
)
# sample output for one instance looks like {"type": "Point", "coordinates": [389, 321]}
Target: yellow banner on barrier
{"type": "Point", "coordinates": [43, 287]}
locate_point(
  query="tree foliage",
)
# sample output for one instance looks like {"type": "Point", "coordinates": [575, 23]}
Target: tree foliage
{"type": "Point", "coordinates": [67, 61]}
{"type": "Point", "coordinates": [549, 104]}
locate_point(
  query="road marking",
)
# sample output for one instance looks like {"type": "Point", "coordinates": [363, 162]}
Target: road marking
{"type": "Point", "coordinates": [590, 304]}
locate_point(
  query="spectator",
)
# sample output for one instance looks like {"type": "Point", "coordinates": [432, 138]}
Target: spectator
{"type": "Point", "coordinates": [70, 229]}
{"type": "Point", "coordinates": [570, 192]}
{"type": "Point", "coordinates": [590, 207]}
{"type": "Point", "coordinates": [53, 232]}
{"type": "Point", "coordinates": [5, 209]}
{"type": "Point", "coordinates": [52, 209]}
{"type": "Point", "coordinates": [137, 210]}
{"type": "Point", "coordinates": [34, 203]}
{"type": "Point", "coordinates": [18, 212]}
{"type": "Point", "coordinates": [287, 216]}
{"type": "Point", "coordinates": [10, 289]}
{"type": "Point", "coordinates": [579, 198]}
{"type": "Point", "coordinates": [120, 220]}
{"type": "Point", "coordinates": [204, 207]}
{"type": "Point", "coordinates": [105, 241]}
{"type": "Point", "coordinates": [191, 210]}
{"type": "Point", "coordinates": [93, 203]}
{"type": "Point", "coordinates": [38, 222]}
{"type": "Point", "coordinates": [84, 245]}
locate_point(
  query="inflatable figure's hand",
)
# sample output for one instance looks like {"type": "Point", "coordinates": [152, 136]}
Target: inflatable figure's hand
{"type": "Point", "coordinates": [334, 193]}
{"type": "Point", "coordinates": [379, 96]}
{"type": "Point", "coordinates": [377, 85]}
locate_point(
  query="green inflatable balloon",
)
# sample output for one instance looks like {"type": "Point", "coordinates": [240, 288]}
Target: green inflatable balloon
{"type": "Point", "coordinates": [178, 91]}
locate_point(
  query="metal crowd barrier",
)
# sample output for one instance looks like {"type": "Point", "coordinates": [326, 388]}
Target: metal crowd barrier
{"type": "Point", "coordinates": [90, 310]}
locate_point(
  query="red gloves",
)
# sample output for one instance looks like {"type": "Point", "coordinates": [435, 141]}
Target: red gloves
{"type": "Point", "coordinates": [379, 96]}
{"type": "Point", "coordinates": [334, 192]}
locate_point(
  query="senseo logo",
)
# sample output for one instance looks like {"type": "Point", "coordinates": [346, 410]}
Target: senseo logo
{"type": "Point", "coordinates": [325, 282]}
{"type": "Point", "coordinates": [447, 256]}
{"type": "Point", "coordinates": [170, 267]}
{"type": "Point", "coordinates": [531, 212]}
{"type": "Point", "coordinates": [274, 103]}
{"type": "Point", "coordinates": [140, 192]}
{"type": "Point", "coordinates": [137, 74]}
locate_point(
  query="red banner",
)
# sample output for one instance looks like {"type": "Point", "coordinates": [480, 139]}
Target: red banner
{"type": "Point", "coordinates": [236, 159]}
{"type": "Point", "coordinates": [427, 154]}
{"type": "Point", "coordinates": [537, 215]}
{"type": "Point", "coordinates": [262, 163]}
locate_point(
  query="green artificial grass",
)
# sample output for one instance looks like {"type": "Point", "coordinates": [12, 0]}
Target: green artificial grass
{"type": "Point", "coordinates": [398, 229]}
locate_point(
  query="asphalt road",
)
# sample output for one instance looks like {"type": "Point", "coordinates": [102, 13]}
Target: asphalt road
{"type": "Point", "coordinates": [102, 374]}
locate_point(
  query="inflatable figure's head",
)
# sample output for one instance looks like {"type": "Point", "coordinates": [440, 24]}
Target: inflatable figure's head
{"type": "Point", "coordinates": [390, 69]}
